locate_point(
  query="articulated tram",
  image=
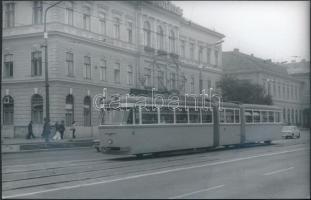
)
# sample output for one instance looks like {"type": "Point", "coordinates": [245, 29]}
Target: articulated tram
{"type": "Point", "coordinates": [151, 127]}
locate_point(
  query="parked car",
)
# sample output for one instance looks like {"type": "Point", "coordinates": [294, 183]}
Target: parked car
{"type": "Point", "coordinates": [290, 132]}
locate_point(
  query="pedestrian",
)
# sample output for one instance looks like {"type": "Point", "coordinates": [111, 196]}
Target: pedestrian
{"type": "Point", "coordinates": [30, 133]}
{"type": "Point", "coordinates": [62, 129]}
{"type": "Point", "coordinates": [73, 128]}
{"type": "Point", "coordinates": [57, 133]}
{"type": "Point", "coordinates": [46, 130]}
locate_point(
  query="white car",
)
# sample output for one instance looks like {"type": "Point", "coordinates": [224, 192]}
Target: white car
{"type": "Point", "coordinates": [290, 132]}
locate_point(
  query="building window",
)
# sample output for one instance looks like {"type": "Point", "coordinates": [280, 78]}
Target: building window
{"type": "Point", "coordinates": [283, 91]}
{"type": "Point", "coordinates": [200, 85]}
{"type": "Point", "coordinates": [287, 92]}
{"type": "Point", "coordinates": [200, 54]}
{"type": "Point", "coordinates": [87, 104]}
{"type": "Point", "coordinates": [8, 110]}
{"type": "Point", "coordinates": [37, 12]}
{"type": "Point", "coordinates": [161, 80]}
{"type": "Point", "coordinates": [69, 62]}
{"type": "Point", "coordinates": [8, 66]}
{"type": "Point", "coordinates": [192, 85]}
{"type": "Point", "coordinates": [130, 75]}
{"type": "Point", "coordinates": [103, 70]}
{"type": "Point", "coordinates": [87, 67]}
{"type": "Point", "coordinates": [191, 51]}
{"type": "Point", "coordinates": [172, 41]}
{"type": "Point", "coordinates": [182, 48]}
{"type": "Point", "coordinates": [173, 80]}
{"type": "Point", "coordinates": [208, 55]}
{"type": "Point", "coordinates": [147, 77]}
{"type": "Point", "coordinates": [69, 13]}
{"type": "Point", "coordinates": [9, 15]}
{"type": "Point", "coordinates": [160, 38]}
{"type": "Point", "coordinates": [116, 28]}
{"type": "Point", "coordinates": [216, 57]}
{"type": "Point", "coordinates": [147, 34]}
{"type": "Point", "coordinates": [279, 91]}
{"type": "Point", "coordinates": [36, 63]}
{"type": "Point", "coordinates": [102, 22]}
{"type": "Point", "coordinates": [117, 73]}
{"type": "Point", "coordinates": [209, 84]}
{"type": "Point", "coordinates": [130, 32]}
{"type": "Point", "coordinates": [87, 18]}
{"type": "Point", "coordinates": [288, 116]}
{"type": "Point", "coordinates": [284, 114]}
{"type": "Point", "coordinates": [37, 109]}
{"type": "Point", "coordinates": [69, 115]}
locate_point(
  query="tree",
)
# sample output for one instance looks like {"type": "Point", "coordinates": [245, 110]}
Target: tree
{"type": "Point", "coordinates": [243, 91]}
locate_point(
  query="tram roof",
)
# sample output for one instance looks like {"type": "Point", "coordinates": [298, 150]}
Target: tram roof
{"type": "Point", "coordinates": [258, 106]}
{"type": "Point", "coordinates": [182, 100]}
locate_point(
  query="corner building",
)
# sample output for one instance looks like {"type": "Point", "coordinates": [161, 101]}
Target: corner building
{"type": "Point", "coordinates": [94, 45]}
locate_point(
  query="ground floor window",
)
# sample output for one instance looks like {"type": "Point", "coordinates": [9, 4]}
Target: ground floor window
{"type": "Point", "coordinates": [87, 111]}
{"type": "Point", "coordinates": [37, 109]}
{"type": "Point", "coordinates": [69, 117]}
{"type": "Point", "coordinates": [8, 110]}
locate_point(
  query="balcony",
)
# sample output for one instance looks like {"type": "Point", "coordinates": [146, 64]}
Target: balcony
{"type": "Point", "coordinates": [149, 49]}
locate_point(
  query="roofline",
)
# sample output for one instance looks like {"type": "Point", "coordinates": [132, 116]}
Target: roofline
{"type": "Point", "coordinates": [202, 28]}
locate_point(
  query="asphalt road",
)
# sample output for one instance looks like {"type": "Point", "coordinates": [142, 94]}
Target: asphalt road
{"type": "Point", "coordinates": [280, 170]}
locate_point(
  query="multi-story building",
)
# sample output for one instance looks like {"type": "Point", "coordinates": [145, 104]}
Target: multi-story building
{"type": "Point", "coordinates": [286, 91]}
{"type": "Point", "coordinates": [94, 45]}
{"type": "Point", "coordinates": [301, 71]}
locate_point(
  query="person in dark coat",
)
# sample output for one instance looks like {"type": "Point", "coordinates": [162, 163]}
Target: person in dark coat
{"type": "Point", "coordinates": [62, 129]}
{"type": "Point", "coordinates": [46, 130]}
{"type": "Point", "coordinates": [30, 132]}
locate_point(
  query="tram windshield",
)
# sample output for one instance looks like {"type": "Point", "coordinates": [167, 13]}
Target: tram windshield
{"type": "Point", "coordinates": [118, 116]}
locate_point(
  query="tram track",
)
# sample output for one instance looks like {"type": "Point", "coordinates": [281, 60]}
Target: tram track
{"type": "Point", "coordinates": [114, 167]}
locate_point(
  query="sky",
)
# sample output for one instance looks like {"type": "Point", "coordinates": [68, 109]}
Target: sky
{"type": "Point", "coordinates": [276, 30]}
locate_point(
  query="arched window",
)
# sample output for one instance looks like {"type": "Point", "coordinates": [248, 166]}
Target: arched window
{"type": "Point", "coordinates": [87, 111]}
{"type": "Point", "coordinates": [69, 13]}
{"type": "Point", "coordinates": [37, 109]}
{"type": "Point", "coordinates": [160, 38]}
{"type": "Point", "coordinates": [147, 34]}
{"type": "Point", "coordinates": [69, 117]}
{"type": "Point", "coordinates": [8, 110]}
{"type": "Point", "coordinates": [172, 41]}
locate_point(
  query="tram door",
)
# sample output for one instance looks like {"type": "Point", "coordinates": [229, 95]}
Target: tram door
{"type": "Point", "coordinates": [216, 126]}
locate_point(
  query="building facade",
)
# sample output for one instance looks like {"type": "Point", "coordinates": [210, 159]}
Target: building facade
{"type": "Point", "coordinates": [301, 70]}
{"type": "Point", "coordinates": [93, 45]}
{"type": "Point", "coordinates": [287, 91]}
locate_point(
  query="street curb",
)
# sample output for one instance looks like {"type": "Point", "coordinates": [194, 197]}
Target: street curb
{"type": "Point", "coordinates": [45, 150]}
{"type": "Point", "coordinates": [32, 147]}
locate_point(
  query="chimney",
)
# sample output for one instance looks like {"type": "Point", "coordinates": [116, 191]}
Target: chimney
{"type": "Point", "coordinates": [236, 50]}
{"type": "Point", "coordinates": [252, 55]}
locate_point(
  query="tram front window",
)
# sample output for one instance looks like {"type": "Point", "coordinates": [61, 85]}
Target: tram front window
{"type": "Point", "coordinates": [166, 115]}
{"type": "Point", "coordinates": [181, 115]}
{"type": "Point", "coordinates": [118, 116]}
{"type": "Point", "coordinates": [149, 115]}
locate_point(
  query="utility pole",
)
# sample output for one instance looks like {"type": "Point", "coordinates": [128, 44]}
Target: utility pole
{"type": "Point", "coordinates": [45, 35]}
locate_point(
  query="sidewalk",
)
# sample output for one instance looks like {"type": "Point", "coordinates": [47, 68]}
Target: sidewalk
{"type": "Point", "coordinates": [15, 145]}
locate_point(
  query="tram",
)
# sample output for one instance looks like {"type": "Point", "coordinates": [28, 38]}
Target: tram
{"type": "Point", "coordinates": [150, 127]}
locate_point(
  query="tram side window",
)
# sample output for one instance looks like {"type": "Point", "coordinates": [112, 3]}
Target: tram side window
{"type": "Point", "coordinates": [263, 116]}
{"type": "Point", "coordinates": [166, 115]}
{"type": "Point", "coordinates": [256, 115]}
{"type": "Point", "coordinates": [181, 115]}
{"type": "Point", "coordinates": [229, 116]}
{"type": "Point", "coordinates": [248, 116]}
{"type": "Point", "coordinates": [237, 116]}
{"type": "Point", "coordinates": [207, 116]}
{"type": "Point", "coordinates": [271, 116]}
{"type": "Point", "coordinates": [149, 115]}
{"type": "Point", "coordinates": [222, 116]}
{"type": "Point", "coordinates": [194, 115]}
{"type": "Point", "coordinates": [277, 117]}
{"type": "Point", "coordinates": [136, 115]}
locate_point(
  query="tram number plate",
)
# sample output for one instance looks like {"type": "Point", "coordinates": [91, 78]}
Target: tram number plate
{"type": "Point", "coordinates": [110, 133]}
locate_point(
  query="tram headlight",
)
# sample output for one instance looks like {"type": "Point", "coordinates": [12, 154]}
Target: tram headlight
{"type": "Point", "coordinates": [110, 141]}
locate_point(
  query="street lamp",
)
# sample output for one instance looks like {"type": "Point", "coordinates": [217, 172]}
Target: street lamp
{"type": "Point", "coordinates": [45, 35]}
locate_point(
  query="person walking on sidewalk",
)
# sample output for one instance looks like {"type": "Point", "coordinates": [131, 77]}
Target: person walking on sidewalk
{"type": "Point", "coordinates": [73, 128]}
{"type": "Point", "coordinates": [30, 133]}
{"type": "Point", "coordinates": [57, 136]}
{"type": "Point", "coordinates": [46, 130]}
{"type": "Point", "coordinates": [62, 129]}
